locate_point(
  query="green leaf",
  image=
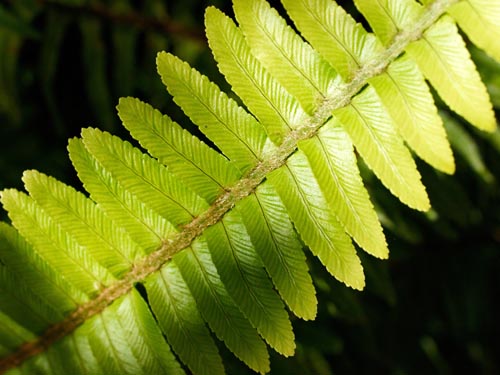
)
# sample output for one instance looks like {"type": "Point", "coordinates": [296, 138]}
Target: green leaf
{"type": "Point", "coordinates": [315, 222]}
{"type": "Point", "coordinates": [144, 225]}
{"type": "Point", "coordinates": [333, 162]}
{"type": "Point", "coordinates": [218, 309]}
{"type": "Point", "coordinates": [334, 34]}
{"type": "Point", "coordinates": [273, 106]}
{"type": "Point", "coordinates": [36, 274]}
{"type": "Point", "coordinates": [204, 170]}
{"type": "Point", "coordinates": [374, 136]}
{"type": "Point", "coordinates": [482, 28]}
{"type": "Point", "coordinates": [23, 313]}
{"type": "Point", "coordinates": [178, 316]}
{"type": "Point", "coordinates": [443, 58]}
{"type": "Point", "coordinates": [242, 273]}
{"type": "Point", "coordinates": [145, 178]}
{"type": "Point", "coordinates": [87, 224]}
{"type": "Point", "coordinates": [406, 97]}
{"type": "Point", "coordinates": [236, 133]}
{"type": "Point", "coordinates": [297, 66]}
{"type": "Point", "coordinates": [275, 241]}
{"type": "Point", "coordinates": [130, 339]}
{"type": "Point", "coordinates": [389, 17]}
{"type": "Point", "coordinates": [59, 249]}
{"type": "Point", "coordinates": [72, 355]}
{"type": "Point", "coordinates": [12, 334]}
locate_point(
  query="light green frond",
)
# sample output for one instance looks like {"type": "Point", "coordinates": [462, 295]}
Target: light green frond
{"type": "Point", "coordinates": [110, 346]}
{"type": "Point", "coordinates": [178, 316]}
{"type": "Point", "coordinates": [315, 221]}
{"type": "Point", "coordinates": [275, 241]}
{"type": "Point", "coordinates": [126, 339]}
{"type": "Point", "coordinates": [406, 96]}
{"type": "Point", "coordinates": [192, 244]}
{"type": "Point", "coordinates": [334, 164]}
{"type": "Point", "coordinates": [284, 54]}
{"type": "Point", "coordinates": [443, 58]}
{"type": "Point", "coordinates": [144, 336]}
{"type": "Point", "coordinates": [389, 17]}
{"type": "Point", "coordinates": [73, 355]}
{"type": "Point", "coordinates": [79, 216]}
{"type": "Point", "coordinates": [235, 132]}
{"type": "Point", "coordinates": [480, 20]}
{"type": "Point", "coordinates": [334, 34]}
{"type": "Point", "coordinates": [204, 170]}
{"type": "Point", "coordinates": [375, 138]}
{"type": "Point", "coordinates": [242, 273]}
{"type": "Point", "coordinates": [273, 106]}
{"type": "Point", "coordinates": [218, 309]}
{"type": "Point", "coordinates": [55, 246]}
{"type": "Point", "coordinates": [22, 311]}
{"type": "Point", "coordinates": [148, 180]}
{"type": "Point", "coordinates": [143, 224]}
{"type": "Point", "coordinates": [39, 277]}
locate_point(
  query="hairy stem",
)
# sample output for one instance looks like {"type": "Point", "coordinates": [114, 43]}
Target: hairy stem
{"type": "Point", "coordinates": [224, 203]}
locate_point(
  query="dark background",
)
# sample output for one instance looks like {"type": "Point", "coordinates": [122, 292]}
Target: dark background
{"type": "Point", "coordinates": [430, 309]}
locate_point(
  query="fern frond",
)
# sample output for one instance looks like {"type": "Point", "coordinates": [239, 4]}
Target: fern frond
{"type": "Point", "coordinates": [333, 162]}
{"type": "Point", "coordinates": [231, 128]}
{"type": "Point", "coordinates": [315, 221]}
{"type": "Point", "coordinates": [186, 241]}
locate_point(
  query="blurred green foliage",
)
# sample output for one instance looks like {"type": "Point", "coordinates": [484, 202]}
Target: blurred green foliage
{"type": "Point", "coordinates": [430, 309]}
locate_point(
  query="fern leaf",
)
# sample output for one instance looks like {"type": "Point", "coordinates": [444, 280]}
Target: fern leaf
{"type": "Point", "coordinates": [482, 28]}
{"type": "Point", "coordinates": [158, 191]}
{"type": "Point", "coordinates": [25, 264]}
{"type": "Point", "coordinates": [23, 312]}
{"type": "Point", "coordinates": [382, 149]}
{"type": "Point", "coordinates": [179, 319]}
{"type": "Point", "coordinates": [59, 250]}
{"type": "Point", "coordinates": [387, 18]}
{"type": "Point", "coordinates": [315, 222]}
{"type": "Point", "coordinates": [284, 54]}
{"type": "Point", "coordinates": [273, 106]}
{"type": "Point", "coordinates": [230, 127]}
{"type": "Point", "coordinates": [142, 223]}
{"type": "Point", "coordinates": [171, 247]}
{"type": "Point", "coordinates": [72, 355]}
{"type": "Point", "coordinates": [218, 309]}
{"type": "Point", "coordinates": [145, 178]}
{"type": "Point", "coordinates": [442, 57]}
{"type": "Point", "coordinates": [205, 171]}
{"type": "Point", "coordinates": [406, 97]}
{"type": "Point", "coordinates": [125, 339]}
{"type": "Point", "coordinates": [86, 223]}
{"type": "Point", "coordinates": [333, 162]}
{"type": "Point", "coordinates": [12, 334]}
{"type": "Point", "coordinates": [334, 34]}
{"type": "Point", "coordinates": [275, 241]}
{"type": "Point", "coordinates": [242, 273]}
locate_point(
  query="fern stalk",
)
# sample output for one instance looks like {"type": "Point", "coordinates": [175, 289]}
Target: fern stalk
{"type": "Point", "coordinates": [226, 201]}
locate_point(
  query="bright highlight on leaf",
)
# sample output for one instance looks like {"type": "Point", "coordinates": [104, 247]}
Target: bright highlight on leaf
{"type": "Point", "coordinates": [180, 245]}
